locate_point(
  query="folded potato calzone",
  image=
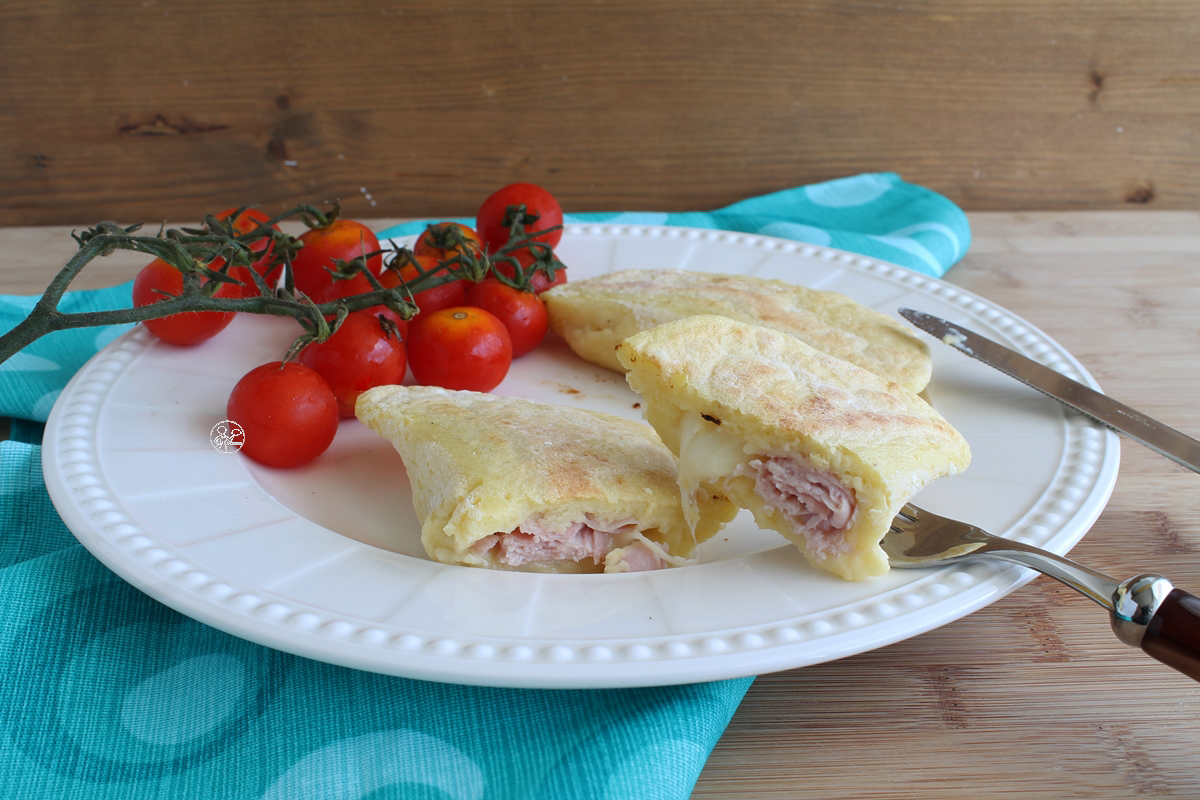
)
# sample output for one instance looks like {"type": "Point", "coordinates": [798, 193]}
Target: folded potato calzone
{"type": "Point", "coordinates": [594, 315]}
{"type": "Point", "coordinates": [509, 483]}
{"type": "Point", "coordinates": [818, 449]}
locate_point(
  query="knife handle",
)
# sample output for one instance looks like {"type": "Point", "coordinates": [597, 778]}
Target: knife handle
{"type": "Point", "coordinates": [1173, 634]}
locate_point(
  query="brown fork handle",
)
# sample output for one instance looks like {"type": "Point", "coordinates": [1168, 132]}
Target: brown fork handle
{"type": "Point", "coordinates": [1173, 633]}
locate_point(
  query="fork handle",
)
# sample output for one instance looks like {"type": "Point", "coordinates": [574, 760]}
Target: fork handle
{"type": "Point", "coordinates": [1150, 613]}
{"type": "Point", "coordinates": [1173, 635]}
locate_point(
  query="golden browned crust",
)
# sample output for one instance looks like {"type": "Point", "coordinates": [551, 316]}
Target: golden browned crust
{"type": "Point", "coordinates": [481, 464]}
{"type": "Point", "coordinates": [594, 315]}
{"type": "Point", "coordinates": [776, 395]}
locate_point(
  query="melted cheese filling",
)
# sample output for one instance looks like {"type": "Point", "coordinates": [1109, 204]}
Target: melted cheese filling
{"type": "Point", "coordinates": [707, 452]}
{"type": "Point", "coordinates": [814, 501]}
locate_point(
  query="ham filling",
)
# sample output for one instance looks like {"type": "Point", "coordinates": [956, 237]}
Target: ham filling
{"type": "Point", "coordinates": [819, 506]}
{"type": "Point", "coordinates": [534, 542]}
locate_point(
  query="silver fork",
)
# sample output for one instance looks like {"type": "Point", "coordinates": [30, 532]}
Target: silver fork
{"type": "Point", "coordinates": [1146, 611]}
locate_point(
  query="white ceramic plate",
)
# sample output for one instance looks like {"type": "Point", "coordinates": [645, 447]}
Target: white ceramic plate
{"type": "Point", "coordinates": [325, 561]}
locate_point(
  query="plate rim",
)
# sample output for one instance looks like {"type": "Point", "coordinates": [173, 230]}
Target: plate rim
{"type": "Point", "coordinates": [72, 481]}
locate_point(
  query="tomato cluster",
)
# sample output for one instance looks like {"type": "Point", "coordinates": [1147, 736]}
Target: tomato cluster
{"type": "Point", "coordinates": [466, 332]}
{"type": "Point", "coordinates": [476, 295]}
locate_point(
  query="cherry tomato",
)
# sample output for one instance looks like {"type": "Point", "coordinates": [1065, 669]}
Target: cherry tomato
{"type": "Point", "coordinates": [523, 313]}
{"type": "Point", "coordinates": [445, 240]}
{"type": "Point", "coordinates": [288, 412]}
{"type": "Point", "coordinates": [344, 240]}
{"type": "Point", "coordinates": [251, 219]}
{"type": "Point", "coordinates": [358, 356]}
{"type": "Point", "coordinates": [493, 222]}
{"type": "Point", "coordinates": [538, 281]}
{"type": "Point", "coordinates": [189, 327]}
{"type": "Point", "coordinates": [459, 348]}
{"type": "Point", "coordinates": [435, 298]}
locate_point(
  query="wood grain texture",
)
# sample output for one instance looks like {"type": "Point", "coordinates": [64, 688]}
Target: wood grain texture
{"type": "Point", "coordinates": [143, 110]}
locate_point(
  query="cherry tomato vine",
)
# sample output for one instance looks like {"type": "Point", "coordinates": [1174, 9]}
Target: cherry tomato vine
{"type": "Point", "coordinates": [455, 308]}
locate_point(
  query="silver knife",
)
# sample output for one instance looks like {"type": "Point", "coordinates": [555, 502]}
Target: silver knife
{"type": "Point", "coordinates": [1171, 443]}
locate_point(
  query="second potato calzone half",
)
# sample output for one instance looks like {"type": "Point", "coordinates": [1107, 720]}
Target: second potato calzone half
{"type": "Point", "coordinates": [818, 449]}
{"type": "Point", "coordinates": [509, 483]}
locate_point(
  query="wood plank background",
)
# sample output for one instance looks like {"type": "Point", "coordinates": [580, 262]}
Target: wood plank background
{"type": "Point", "coordinates": [143, 110]}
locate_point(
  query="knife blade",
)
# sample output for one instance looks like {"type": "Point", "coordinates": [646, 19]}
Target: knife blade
{"type": "Point", "coordinates": [1164, 440]}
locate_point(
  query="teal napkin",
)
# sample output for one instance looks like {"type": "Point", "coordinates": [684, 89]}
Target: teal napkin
{"type": "Point", "coordinates": [876, 214]}
{"type": "Point", "coordinates": [109, 694]}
